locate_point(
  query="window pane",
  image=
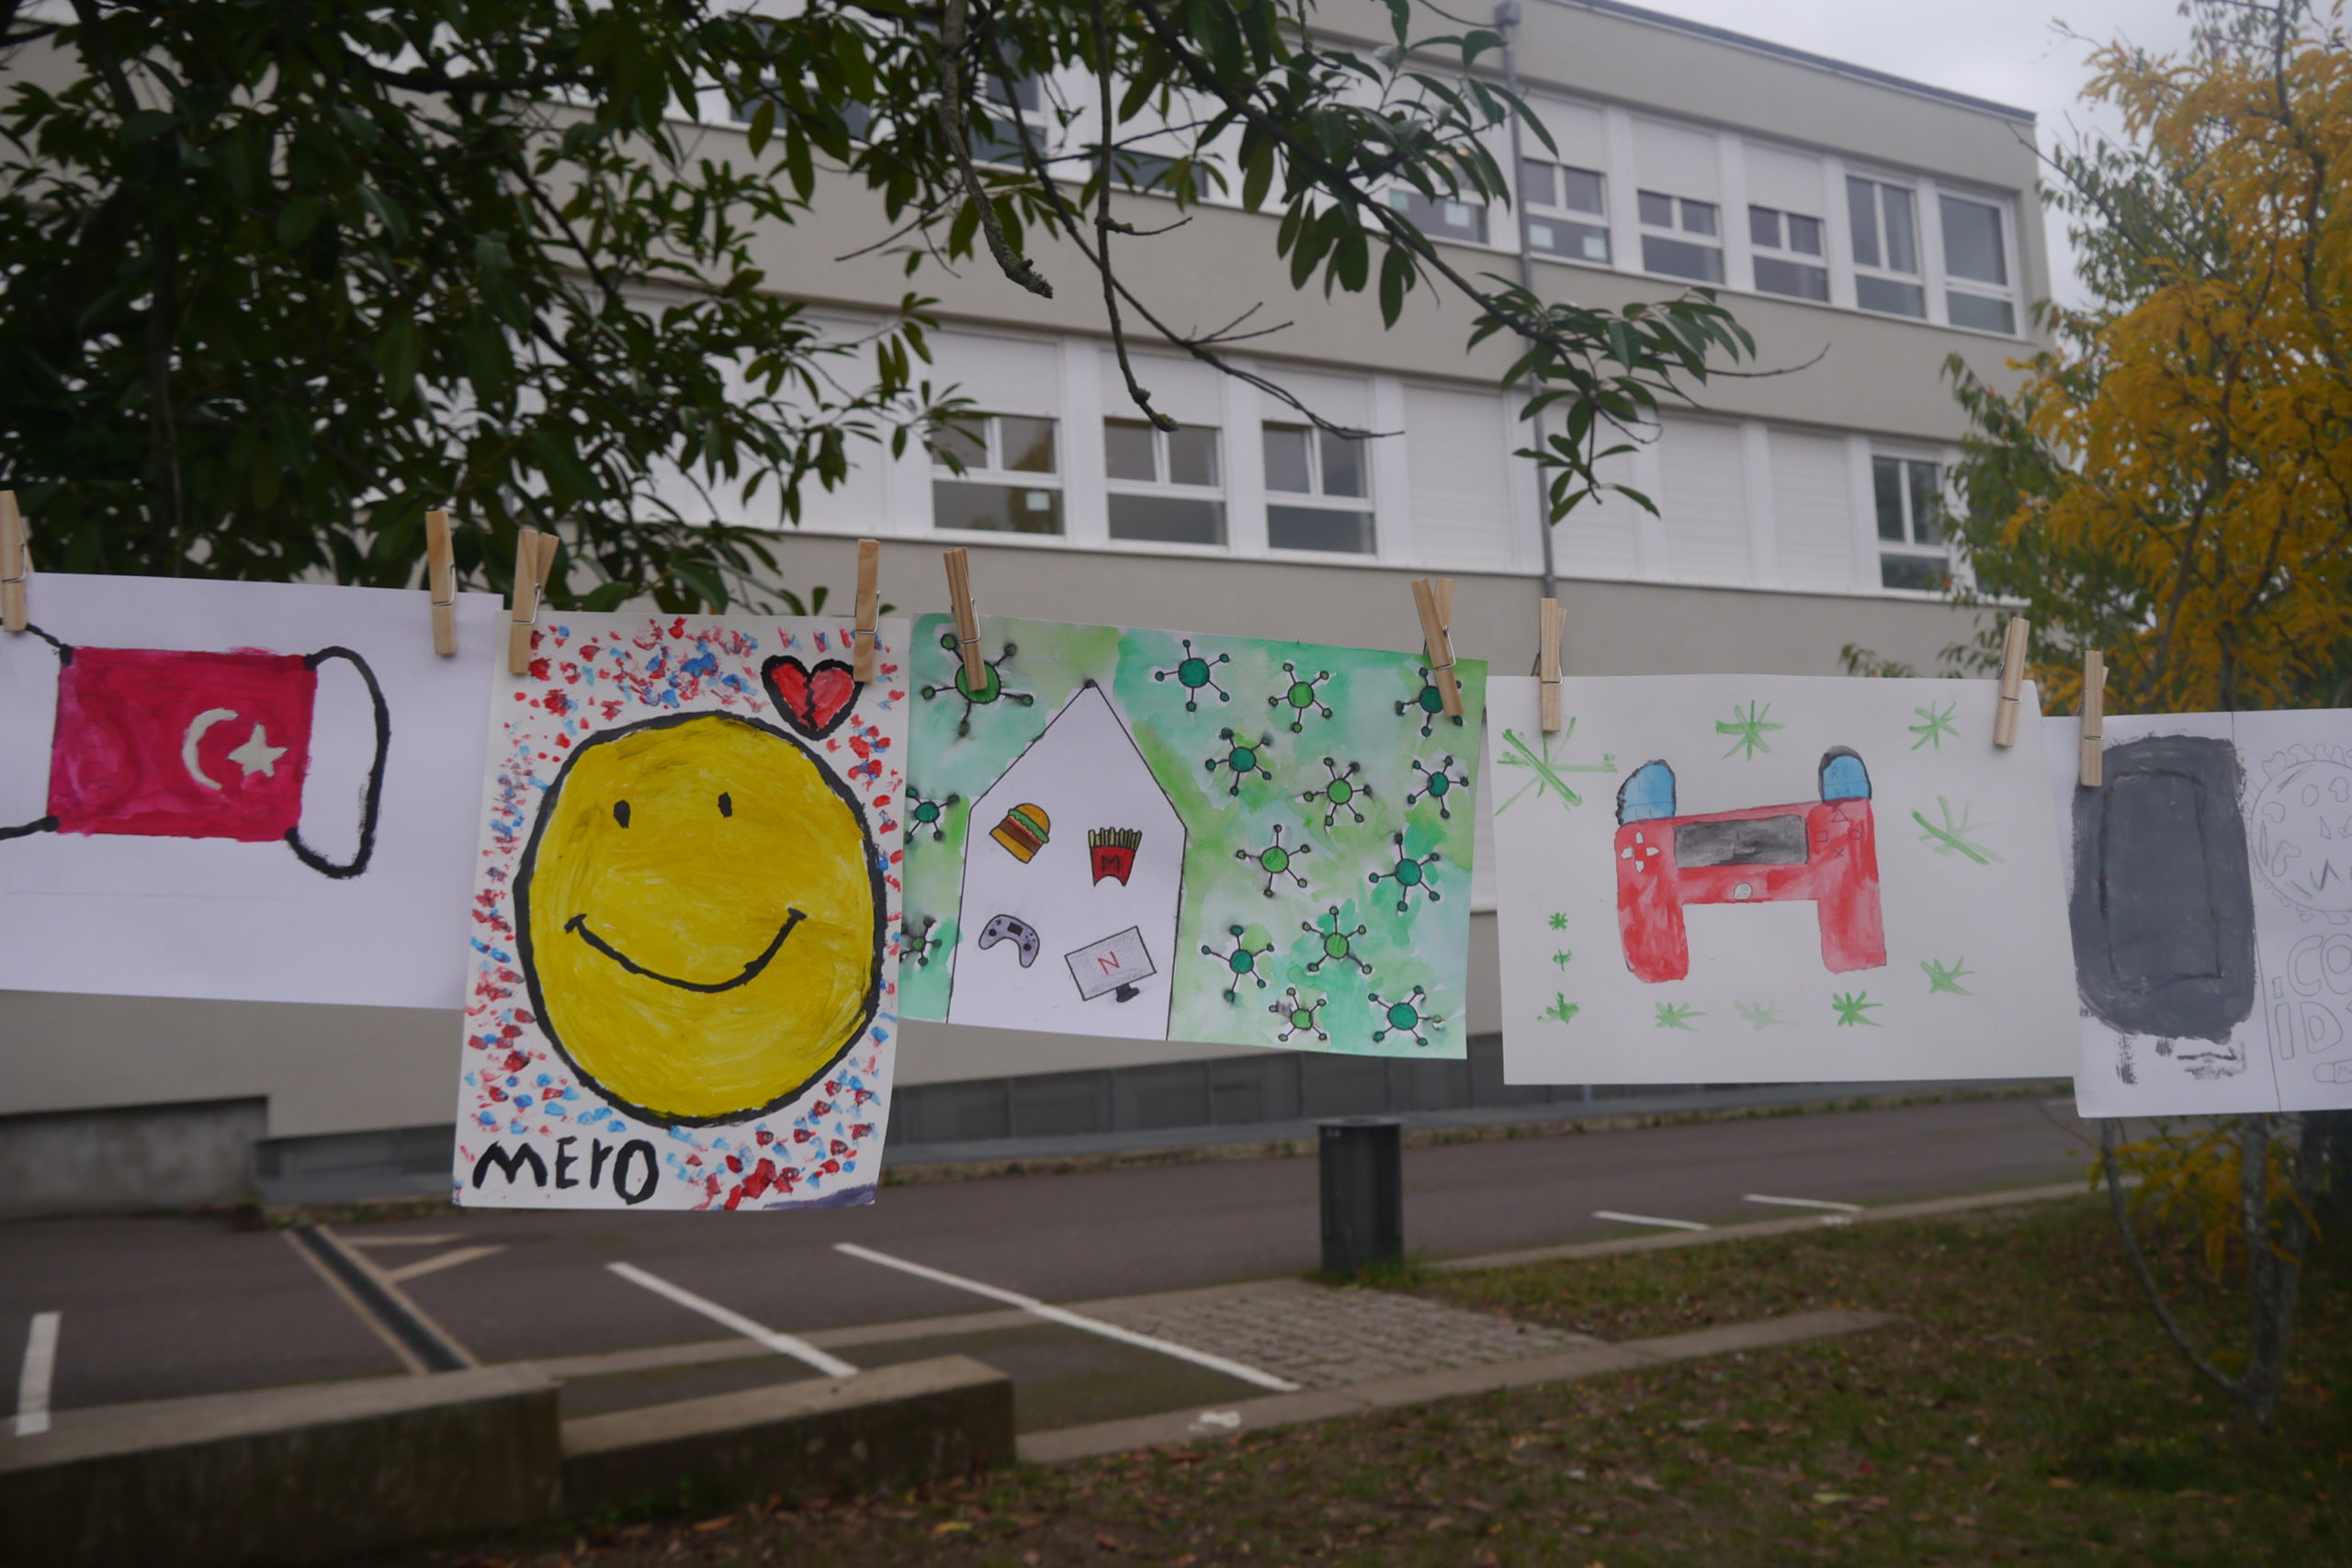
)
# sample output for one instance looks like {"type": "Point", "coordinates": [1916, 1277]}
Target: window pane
{"type": "Point", "coordinates": [1342, 465]}
{"type": "Point", "coordinates": [1558, 237]}
{"type": "Point", "coordinates": [1972, 242]}
{"type": "Point", "coordinates": [1926, 502]}
{"type": "Point", "coordinates": [1764, 227]}
{"type": "Point", "coordinates": [1126, 450]}
{"type": "Point", "coordinates": [1774, 275]}
{"type": "Point", "coordinates": [995, 509]}
{"type": "Point", "coordinates": [1698, 218]}
{"type": "Point", "coordinates": [1902, 247]}
{"type": "Point", "coordinates": [1536, 185]}
{"type": "Point", "coordinates": [1679, 258]}
{"type": "Point", "coordinates": [1861, 205]}
{"type": "Point", "coordinates": [1167, 519]}
{"type": "Point", "coordinates": [967, 442]}
{"type": "Point", "coordinates": [1580, 190]}
{"type": "Point", "coordinates": [1192, 455]}
{"type": "Point", "coordinates": [1895, 298]}
{"type": "Point", "coordinates": [1805, 236]}
{"type": "Point", "coordinates": [1657, 210]}
{"type": "Point", "coordinates": [1025, 94]}
{"type": "Point", "coordinates": [1985, 315]}
{"type": "Point", "coordinates": [1929, 574]}
{"type": "Point", "coordinates": [1442, 217]}
{"type": "Point", "coordinates": [1886, 488]}
{"type": "Point", "coordinates": [1026, 444]}
{"type": "Point", "coordinates": [1316, 528]}
{"type": "Point", "coordinates": [1286, 458]}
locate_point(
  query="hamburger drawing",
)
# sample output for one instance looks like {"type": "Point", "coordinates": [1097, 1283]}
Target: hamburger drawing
{"type": "Point", "coordinates": [1024, 831]}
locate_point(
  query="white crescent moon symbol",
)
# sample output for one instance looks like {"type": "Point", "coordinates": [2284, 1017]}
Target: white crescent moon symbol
{"type": "Point", "coordinates": [196, 728]}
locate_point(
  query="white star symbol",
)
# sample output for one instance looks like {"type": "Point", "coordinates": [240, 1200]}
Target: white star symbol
{"type": "Point", "coordinates": [257, 755]}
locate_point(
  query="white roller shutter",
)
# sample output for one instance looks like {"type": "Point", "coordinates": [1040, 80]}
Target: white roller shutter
{"type": "Point", "coordinates": [1788, 182]}
{"type": "Point", "coordinates": [1677, 161]}
{"type": "Point", "coordinates": [1705, 503]}
{"type": "Point", "coordinates": [1000, 375]}
{"type": "Point", "coordinates": [1457, 451]}
{"type": "Point", "coordinates": [1811, 511]}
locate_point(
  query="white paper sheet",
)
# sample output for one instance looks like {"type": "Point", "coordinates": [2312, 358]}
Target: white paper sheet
{"type": "Point", "coordinates": [181, 766]}
{"type": "Point", "coordinates": [2212, 911]}
{"type": "Point", "coordinates": [1821, 880]}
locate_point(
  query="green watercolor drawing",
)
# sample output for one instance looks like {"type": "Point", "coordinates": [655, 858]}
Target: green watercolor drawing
{"type": "Point", "coordinates": [1672, 1015]}
{"type": "Point", "coordinates": [1562, 1011]}
{"type": "Point", "coordinates": [1947, 977]}
{"type": "Point", "coordinates": [1196, 674]}
{"type": "Point", "coordinates": [1340, 790]}
{"type": "Point", "coordinates": [992, 686]}
{"type": "Point", "coordinates": [1298, 695]}
{"type": "Point", "coordinates": [1515, 752]}
{"type": "Point", "coordinates": [1410, 874]}
{"type": "Point", "coordinates": [1240, 961]}
{"type": "Point", "coordinates": [1404, 1016]}
{"type": "Point", "coordinates": [1748, 731]}
{"type": "Point", "coordinates": [1562, 958]}
{"type": "Point", "coordinates": [1436, 784]}
{"type": "Point", "coordinates": [1278, 861]}
{"type": "Point", "coordinates": [1243, 758]}
{"type": "Point", "coordinates": [1298, 1015]}
{"type": "Point", "coordinates": [1855, 1006]}
{"type": "Point", "coordinates": [1935, 724]}
{"type": "Point", "coordinates": [1559, 920]}
{"type": "Point", "coordinates": [924, 815]}
{"type": "Point", "coordinates": [1336, 945]}
{"type": "Point", "coordinates": [1428, 702]}
{"type": "Point", "coordinates": [1762, 1015]}
{"type": "Point", "coordinates": [1954, 838]}
{"type": "Point", "coordinates": [915, 946]}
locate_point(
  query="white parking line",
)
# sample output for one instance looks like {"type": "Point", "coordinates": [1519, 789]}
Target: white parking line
{"type": "Point", "coordinates": [32, 1383]}
{"type": "Point", "coordinates": [782, 1344]}
{"type": "Point", "coordinates": [1803, 1203]}
{"type": "Point", "coordinates": [1036, 1308]}
{"type": "Point", "coordinates": [440, 1260]}
{"type": "Point", "coordinates": [1649, 1220]}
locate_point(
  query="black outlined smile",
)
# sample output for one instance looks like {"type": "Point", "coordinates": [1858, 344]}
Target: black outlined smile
{"type": "Point", "coordinates": [578, 926]}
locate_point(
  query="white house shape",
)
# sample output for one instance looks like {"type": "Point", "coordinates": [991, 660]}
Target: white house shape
{"type": "Point", "coordinates": [1084, 775]}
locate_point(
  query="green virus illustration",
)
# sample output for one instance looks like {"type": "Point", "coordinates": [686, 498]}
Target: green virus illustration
{"type": "Point", "coordinates": [1404, 1016]}
{"type": "Point", "coordinates": [1935, 723]}
{"type": "Point", "coordinates": [1337, 946]}
{"type": "Point", "coordinates": [1759, 1015]}
{"type": "Point", "coordinates": [1299, 697]}
{"type": "Point", "coordinates": [1409, 873]}
{"type": "Point", "coordinates": [1955, 837]}
{"type": "Point", "coordinates": [915, 945]}
{"type": "Point", "coordinates": [1241, 964]}
{"type": "Point", "coordinates": [1196, 674]}
{"type": "Point", "coordinates": [992, 686]}
{"type": "Point", "coordinates": [929, 815]}
{"type": "Point", "coordinates": [1563, 958]}
{"type": "Point", "coordinates": [1278, 862]}
{"type": "Point", "coordinates": [1562, 1011]}
{"type": "Point", "coordinates": [1855, 1006]}
{"type": "Point", "coordinates": [1298, 1015]}
{"type": "Point", "coordinates": [1428, 702]}
{"type": "Point", "coordinates": [1545, 769]}
{"type": "Point", "coordinates": [1946, 977]}
{"type": "Point", "coordinates": [1341, 792]}
{"type": "Point", "coordinates": [1242, 758]}
{"type": "Point", "coordinates": [1747, 729]}
{"type": "Point", "coordinates": [1673, 1015]}
{"type": "Point", "coordinates": [1436, 784]}
{"type": "Point", "coordinates": [1559, 920]}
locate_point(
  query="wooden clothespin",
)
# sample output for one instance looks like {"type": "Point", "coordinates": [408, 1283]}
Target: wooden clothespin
{"type": "Point", "coordinates": [15, 563]}
{"type": "Point", "coordinates": [967, 619]}
{"type": "Point", "coordinates": [2094, 717]}
{"type": "Point", "coordinates": [1440, 646]}
{"type": "Point", "coordinates": [534, 559]}
{"type": "Point", "coordinates": [2005, 715]}
{"type": "Point", "coordinates": [441, 582]}
{"type": "Point", "coordinates": [869, 605]}
{"type": "Point", "coordinates": [1551, 620]}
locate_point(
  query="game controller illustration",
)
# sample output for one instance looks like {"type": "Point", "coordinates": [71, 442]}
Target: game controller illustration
{"type": "Point", "coordinates": [1014, 929]}
{"type": "Point", "coordinates": [1823, 851]}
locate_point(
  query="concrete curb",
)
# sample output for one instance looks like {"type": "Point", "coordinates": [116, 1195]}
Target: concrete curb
{"type": "Point", "coordinates": [1320, 1405]}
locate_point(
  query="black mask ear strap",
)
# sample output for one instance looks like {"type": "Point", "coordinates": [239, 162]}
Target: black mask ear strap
{"type": "Point", "coordinates": [372, 803]}
{"type": "Point", "coordinates": [64, 652]}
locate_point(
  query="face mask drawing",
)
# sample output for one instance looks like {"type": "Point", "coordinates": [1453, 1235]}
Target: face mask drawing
{"type": "Point", "coordinates": [163, 743]}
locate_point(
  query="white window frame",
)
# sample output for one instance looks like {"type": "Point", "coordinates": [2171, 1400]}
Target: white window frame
{"type": "Point", "coordinates": [996, 473]}
{"type": "Point", "coordinates": [1782, 252]}
{"type": "Point", "coordinates": [1534, 212]}
{"type": "Point", "coordinates": [1164, 487]}
{"type": "Point", "coordinates": [1909, 546]}
{"type": "Point", "coordinates": [1315, 499]}
{"type": "Point", "coordinates": [1683, 235]}
{"type": "Point", "coordinates": [2008, 294]}
{"type": "Point", "coordinates": [1920, 239]}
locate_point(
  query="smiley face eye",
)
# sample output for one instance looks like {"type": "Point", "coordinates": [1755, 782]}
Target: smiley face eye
{"type": "Point", "coordinates": [725, 804]}
{"type": "Point", "coordinates": [620, 812]}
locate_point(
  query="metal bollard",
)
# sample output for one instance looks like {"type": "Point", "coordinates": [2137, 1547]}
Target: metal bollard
{"type": "Point", "coordinates": [1364, 1193]}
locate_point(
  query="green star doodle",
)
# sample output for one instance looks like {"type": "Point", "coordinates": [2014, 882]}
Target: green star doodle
{"type": "Point", "coordinates": [1952, 838]}
{"type": "Point", "coordinates": [1562, 958]}
{"type": "Point", "coordinates": [1672, 1015]}
{"type": "Point", "coordinates": [1763, 1015]}
{"type": "Point", "coordinates": [1853, 1008]}
{"type": "Point", "coordinates": [1747, 729]}
{"type": "Point", "coordinates": [1947, 977]}
{"type": "Point", "coordinates": [1547, 769]}
{"type": "Point", "coordinates": [1559, 921]}
{"type": "Point", "coordinates": [1936, 723]}
{"type": "Point", "coordinates": [1562, 1011]}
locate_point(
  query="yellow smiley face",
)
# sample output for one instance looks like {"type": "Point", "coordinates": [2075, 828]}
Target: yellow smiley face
{"type": "Point", "coordinates": [700, 913]}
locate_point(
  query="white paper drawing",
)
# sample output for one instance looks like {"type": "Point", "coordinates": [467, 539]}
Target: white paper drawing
{"type": "Point", "coordinates": [1753, 879]}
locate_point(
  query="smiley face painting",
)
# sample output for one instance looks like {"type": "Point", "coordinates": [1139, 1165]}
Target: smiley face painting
{"type": "Point", "coordinates": [687, 919]}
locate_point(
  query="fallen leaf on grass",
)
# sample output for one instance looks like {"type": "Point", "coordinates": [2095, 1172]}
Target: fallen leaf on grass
{"type": "Point", "coordinates": [719, 1523]}
{"type": "Point", "coordinates": [1107, 1541]}
{"type": "Point", "coordinates": [2060, 1484]}
{"type": "Point", "coordinates": [949, 1526]}
{"type": "Point", "coordinates": [1438, 1523]}
{"type": "Point", "coordinates": [1644, 1483]}
{"type": "Point", "coordinates": [1829, 1499]}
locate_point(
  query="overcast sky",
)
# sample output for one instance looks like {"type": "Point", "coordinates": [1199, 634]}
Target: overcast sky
{"type": "Point", "coordinates": [2004, 50]}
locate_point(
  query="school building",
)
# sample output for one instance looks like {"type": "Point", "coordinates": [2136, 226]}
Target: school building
{"type": "Point", "coordinates": [1864, 227]}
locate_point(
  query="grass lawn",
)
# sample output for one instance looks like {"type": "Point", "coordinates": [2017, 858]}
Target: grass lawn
{"type": "Point", "coordinates": [2026, 1409]}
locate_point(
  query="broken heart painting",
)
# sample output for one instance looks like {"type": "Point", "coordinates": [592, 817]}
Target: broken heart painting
{"type": "Point", "coordinates": [233, 790]}
{"type": "Point", "coordinates": [683, 990]}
